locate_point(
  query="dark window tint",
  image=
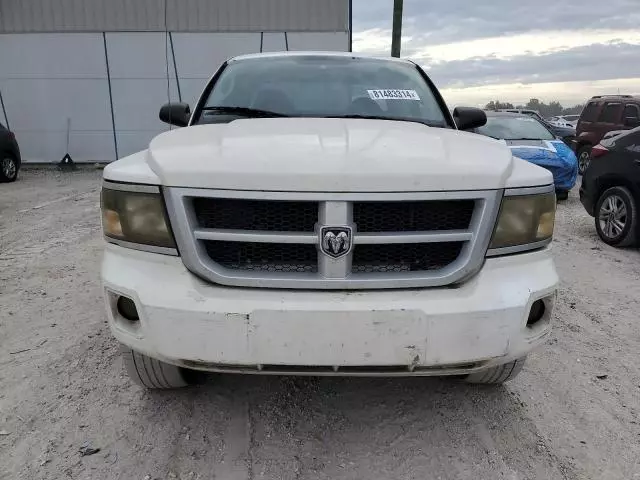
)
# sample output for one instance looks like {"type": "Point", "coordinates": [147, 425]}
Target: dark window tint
{"type": "Point", "coordinates": [515, 128]}
{"type": "Point", "coordinates": [590, 111]}
{"type": "Point", "coordinates": [631, 111]}
{"type": "Point", "coordinates": [610, 113]}
{"type": "Point", "coordinates": [326, 86]}
{"type": "Point", "coordinates": [629, 141]}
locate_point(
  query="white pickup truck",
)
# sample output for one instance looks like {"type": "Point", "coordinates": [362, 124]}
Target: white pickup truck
{"type": "Point", "coordinates": [325, 214]}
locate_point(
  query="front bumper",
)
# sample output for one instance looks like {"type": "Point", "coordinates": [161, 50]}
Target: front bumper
{"type": "Point", "coordinates": [191, 323]}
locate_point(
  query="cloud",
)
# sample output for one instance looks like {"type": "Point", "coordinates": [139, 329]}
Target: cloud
{"type": "Point", "coordinates": [477, 45]}
{"type": "Point", "coordinates": [584, 63]}
{"type": "Point", "coordinates": [455, 20]}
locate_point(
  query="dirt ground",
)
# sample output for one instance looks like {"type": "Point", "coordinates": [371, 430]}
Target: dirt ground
{"type": "Point", "coordinates": [572, 414]}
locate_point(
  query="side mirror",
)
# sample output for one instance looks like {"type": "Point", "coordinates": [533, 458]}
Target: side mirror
{"type": "Point", "coordinates": [175, 114]}
{"type": "Point", "coordinates": [467, 118]}
{"type": "Point", "coordinates": [631, 121]}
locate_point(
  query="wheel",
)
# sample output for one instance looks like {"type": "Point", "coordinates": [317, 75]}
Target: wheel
{"type": "Point", "coordinates": [584, 156]}
{"type": "Point", "coordinates": [151, 373]}
{"type": "Point", "coordinates": [616, 217]}
{"type": "Point", "coordinates": [562, 195]}
{"type": "Point", "coordinates": [497, 374]}
{"type": "Point", "coordinates": [8, 168]}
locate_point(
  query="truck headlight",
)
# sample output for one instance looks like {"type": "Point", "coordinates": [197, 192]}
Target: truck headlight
{"type": "Point", "coordinates": [136, 215]}
{"type": "Point", "coordinates": [524, 221]}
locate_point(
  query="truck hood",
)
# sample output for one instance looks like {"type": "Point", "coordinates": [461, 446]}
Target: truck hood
{"type": "Point", "coordinates": [328, 155]}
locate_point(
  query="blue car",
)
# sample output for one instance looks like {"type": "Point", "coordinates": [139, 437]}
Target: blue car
{"type": "Point", "coordinates": [532, 141]}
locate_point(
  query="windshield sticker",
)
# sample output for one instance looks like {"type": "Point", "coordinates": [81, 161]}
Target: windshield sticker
{"type": "Point", "coordinates": [393, 94]}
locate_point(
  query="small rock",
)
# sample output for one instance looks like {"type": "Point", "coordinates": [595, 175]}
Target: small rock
{"type": "Point", "coordinates": [4, 432]}
{"type": "Point", "coordinates": [86, 449]}
{"type": "Point", "coordinates": [583, 442]}
{"type": "Point", "coordinates": [172, 475]}
{"type": "Point", "coordinates": [602, 376]}
{"type": "Point", "coordinates": [147, 477]}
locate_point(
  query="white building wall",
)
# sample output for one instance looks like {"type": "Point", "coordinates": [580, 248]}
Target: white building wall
{"type": "Point", "coordinates": [102, 64]}
{"type": "Point", "coordinates": [138, 69]}
{"type": "Point", "coordinates": [46, 79]}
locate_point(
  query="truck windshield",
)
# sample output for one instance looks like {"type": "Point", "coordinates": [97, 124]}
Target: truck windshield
{"type": "Point", "coordinates": [515, 128]}
{"type": "Point", "coordinates": [321, 86]}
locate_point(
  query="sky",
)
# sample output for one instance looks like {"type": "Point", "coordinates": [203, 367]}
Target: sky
{"type": "Point", "coordinates": [512, 50]}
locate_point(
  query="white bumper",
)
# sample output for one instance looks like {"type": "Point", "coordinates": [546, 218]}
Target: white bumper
{"type": "Point", "coordinates": [186, 321]}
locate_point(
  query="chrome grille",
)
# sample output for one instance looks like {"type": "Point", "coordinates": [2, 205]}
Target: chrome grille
{"type": "Point", "coordinates": [265, 257]}
{"type": "Point", "coordinates": [236, 214]}
{"type": "Point", "coordinates": [273, 239]}
{"type": "Point", "coordinates": [413, 216]}
{"type": "Point", "coordinates": [398, 257]}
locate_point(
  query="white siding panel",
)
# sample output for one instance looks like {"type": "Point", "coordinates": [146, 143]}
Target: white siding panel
{"type": "Point", "coordinates": [50, 147]}
{"type": "Point", "coordinates": [198, 55]}
{"type": "Point", "coordinates": [38, 110]}
{"type": "Point", "coordinates": [138, 67]}
{"type": "Point", "coordinates": [273, 42]}
{"type": "Point", "coordinates": [139, 55]}
{"type": "Point", "coordinates": [58, 55]}
{"type": "Point", "coordinates": [326, 41]}
{"type": "Point", "coordinates": [46, 79]}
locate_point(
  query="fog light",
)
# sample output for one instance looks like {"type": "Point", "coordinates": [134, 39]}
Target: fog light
{"type": "Point", "coordinates": [536, 313]}
{"type": "Point", "coordinates": [127, 308]}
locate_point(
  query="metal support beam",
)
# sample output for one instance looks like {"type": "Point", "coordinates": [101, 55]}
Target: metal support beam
{"type": "Point", "coordinates": [396, 35]}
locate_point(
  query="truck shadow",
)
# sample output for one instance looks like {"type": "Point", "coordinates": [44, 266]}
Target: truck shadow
{"type": "Point", "coordinates": [363, 427]}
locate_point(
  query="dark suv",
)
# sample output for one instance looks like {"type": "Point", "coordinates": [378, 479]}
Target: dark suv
{"type": "Point", "coordinates": [602, 114]}
{"type": "Point", "coordinates": [610, 189]}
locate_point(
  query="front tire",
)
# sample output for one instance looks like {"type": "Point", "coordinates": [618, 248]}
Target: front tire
{"type": "Point", "coordinates": [8, 168]}
{"type": "Point", "coordinates": [498, 374]}
{"type": "Point", "coordinates": [151, 373]}
{"type": "Point", "coordinates": [616, 217]}
{"type": "Point", "coordinates": [584, 157]}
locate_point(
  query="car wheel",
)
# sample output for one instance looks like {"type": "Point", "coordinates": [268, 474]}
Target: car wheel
{"type": "Point", "coordinates": [8, 168]}
{"type": "Point", "coordinates": [151, 373]}
{"type": "Point", "coordinates": [498, 374]}
{"type": "Point", "coordinates": [617, 217]}
{"type": "Point", "coordinates": [584, 155]}
{"type": "Point", "coordinates": [562, 195]}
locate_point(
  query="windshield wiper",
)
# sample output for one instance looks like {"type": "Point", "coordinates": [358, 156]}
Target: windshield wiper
{"type": "Point", "coordinates": [382, 117]}
{"type": "Point", "coordinates": [244, 111]}
{"type": "Point", "coordinates": [536, 139]}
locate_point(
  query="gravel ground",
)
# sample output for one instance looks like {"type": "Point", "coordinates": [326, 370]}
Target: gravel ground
{"type": "Point", "coordinates": [572, 414]}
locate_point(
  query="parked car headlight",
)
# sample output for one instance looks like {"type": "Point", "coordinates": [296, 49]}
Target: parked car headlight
{"type": "Point", "coordinates": [136, 217]}
{"type": "Point", "coordinates": [525, 220]}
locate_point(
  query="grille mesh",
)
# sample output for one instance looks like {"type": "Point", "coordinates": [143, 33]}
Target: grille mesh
{"type": "Point", "coordinates": [404, 257]}
{"type": "Point", "coordinates": [283, 216]}
{"type": "Point", "coordinates": [264, 257]}
{"type": "Point", "coordinates": [413, 216]}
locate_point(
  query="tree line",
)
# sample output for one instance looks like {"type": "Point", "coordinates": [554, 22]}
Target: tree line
{"type": "Point", "coordinates": [547, 110]}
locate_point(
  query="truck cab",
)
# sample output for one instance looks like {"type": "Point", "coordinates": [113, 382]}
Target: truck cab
{"type": "Point", "coordinates": [325, 214]}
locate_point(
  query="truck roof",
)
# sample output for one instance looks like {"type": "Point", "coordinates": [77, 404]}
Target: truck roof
{"type": "Point", "coordinates": [250, 56]}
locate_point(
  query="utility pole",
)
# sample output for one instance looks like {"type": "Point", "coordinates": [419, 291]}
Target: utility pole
{"type": "Point", "coordinates": [396, 35]}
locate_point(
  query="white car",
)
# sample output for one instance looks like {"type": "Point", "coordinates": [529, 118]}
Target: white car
{"type": "Point", "coordinates": [568, 121]}
{"type": "Point", "coordinates": [324, 214]}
